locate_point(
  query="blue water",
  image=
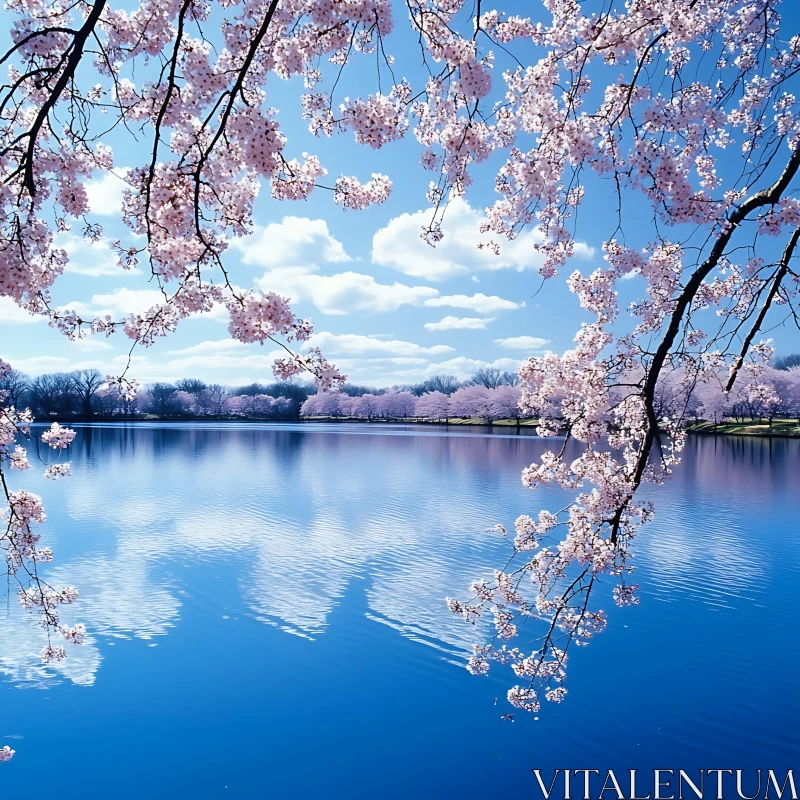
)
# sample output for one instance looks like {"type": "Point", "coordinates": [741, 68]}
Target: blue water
{"type": "Point", "coordinates": [266, 618]}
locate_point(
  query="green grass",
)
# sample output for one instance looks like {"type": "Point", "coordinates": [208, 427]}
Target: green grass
{"type": "Point", "coordinates": [780, 427]}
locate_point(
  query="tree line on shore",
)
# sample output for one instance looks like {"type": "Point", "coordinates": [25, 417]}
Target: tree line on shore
{"type": "Point", "coordinates": [83, 394]}
{"type": "Point", "coordinates": [776, 394]}
{"type": "Point", "coordinates": [489, 395]}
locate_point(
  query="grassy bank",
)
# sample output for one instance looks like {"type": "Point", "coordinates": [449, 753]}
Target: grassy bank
{"type": "Point", "coordinates": [779, 427]}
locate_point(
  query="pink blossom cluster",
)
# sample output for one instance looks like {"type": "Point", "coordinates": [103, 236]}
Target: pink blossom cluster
{"type": "Point", "coordinates": [350, 193]}
{"type": "Point", "coordinates": [375, 120]}
{"type": "Point", "coordinates": [58, 437]}
{"type": "Point", "coordinates": [481, 402]}
{"type": "Point", "coordinates": [21, 512]}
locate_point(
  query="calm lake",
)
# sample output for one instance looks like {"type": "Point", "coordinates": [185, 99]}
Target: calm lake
{"type": "Point", "coordinates": [267, 619]}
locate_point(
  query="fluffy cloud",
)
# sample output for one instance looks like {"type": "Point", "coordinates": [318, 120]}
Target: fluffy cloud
{"type": "Point", "coordinates": [91, 258]}
{"type": "Point", "coordinates": [40, 364]}
{"type": "Point", "coordinates": [459, 323]}
{"type": "Point", "coordinates": [522, 343]}
{"type": "Point", "coordinates": [392, 374]}
{"type": "Point", "coordinates": [292, 241]}
{"type": "Point", "coordinates": [260, 362]}
{"type": "Point", "coordinates": [210, 347]}
{"type": "Point", "coordinates": [90, 345]}
{"type": "Point", "coordinates": [105, 194]}
{"type": "Point", "coordinates": [212, 361]}
{"type": "Point", "coordinates": [11, 313]}
{"type": "Point", "coordinates": [483, 304]}
{"type": "Point", "coordinates": [120, 302]}
{"type": "Point", "coordinates": [343, 292]}
{"type": "Point", "coordinates": [464, 368]}
{"type": "Point", "coordinates": [354, 344]}
{"type": "Point", "coordinates": [399, 246]}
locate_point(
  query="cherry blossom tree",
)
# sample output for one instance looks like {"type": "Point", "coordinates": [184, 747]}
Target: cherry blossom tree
{"type": "Point", "coordinates": [667, 113]}
{"type": "Point", "coordinates": [258, 405]}
{"type": "Point", "coordinates": [20, 540]}
{"type": "Point", "coordinates": [433, 405]}
{"type": "Point", "coordinates": [714, 403]}
{"type": "Point", "coordinates": [367, 406]}
{"type": "Point", "coordinates": [182, 402]}
{"type": "Point", "coordinates": [786, 386]}
{"type": "Point", "coordinates": [470, 401]}
{"type": "Point", "coordinates": [348, 405]}
{"type": "Point", "coordinates": [213, 400]}
{"type": "Point", "coordinates": [322, 404]}
{"type": "Point", "coordinates": [680, 114]}
{"type": "Point", "coordinates": [503, 403]}
{"type": "Point", "coordinates": [396, 405]}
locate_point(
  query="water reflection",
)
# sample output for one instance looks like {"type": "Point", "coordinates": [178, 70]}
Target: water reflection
{"type": "Point", "coordinates": [295, 516]}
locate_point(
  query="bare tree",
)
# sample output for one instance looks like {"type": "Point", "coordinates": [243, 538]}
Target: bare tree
{"type": "Point", "coordinates": [14, 384]}
{"type": "Point", "coordinates": [358, 390]}
{"type": "Point", "coordinates": [161, 396]}
{"type": "Point", "coordinates": [446, 384]}
{"type": "Point", "coordinates": [787, 362]}
{"type": "Point", "coordinates": [490, 377]}
{"type": "Point", "coordinates": [87, 382]}
{"type": "Point", "coordinates": [44, 398]}
{"type": "Point", "coordinates": [191, 385]}
{"type": "Point", "coordinates": [510, 379]}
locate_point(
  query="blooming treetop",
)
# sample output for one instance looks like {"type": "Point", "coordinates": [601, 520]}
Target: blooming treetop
{"type": "Point", "coordinates": [651, 103]}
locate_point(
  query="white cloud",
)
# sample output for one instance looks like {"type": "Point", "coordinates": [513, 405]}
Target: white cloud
{"type": "Point", "coordinates": [463, 367]}
{"type": "Point", "coordinates": [121, 301]}
{"type": "Point", "coordinates": [343, 292]}
{"type": "Point", "coordinates": [293, 240]}
{"type": "Point", "coordinates": [261, 362]}
{"type": "Point", "coordinates": [210, 347]}
{"type": "Point", "coordinates": [40, 364]}
{"type": "Point", "coordinates": [90, 345]}
{"type": "Point", "coordinates": [459, 366]}
{"type": "Point", "coordinates": [455, 323]}
{"type": "Point", "coordinates": [204, 361]}
{"type": "Point", "coordinates": [105, 194]}
{"type": "Point", "coordinates": [355, 345]}
{"type": "Point", "coordinates": [11, 313]}
{"type": "Point", "coordinates": [483, 304]}
{"type": "Point", "coordinates": [522, 343]}
{"type": "Point", "coordinates": [91, 258]}
{"type": "Point", "coordinates": [218, 313]}
{"type": "Point", "coordinates": [399, 245]}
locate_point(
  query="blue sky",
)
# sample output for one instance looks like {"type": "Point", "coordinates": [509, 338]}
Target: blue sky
{"type": "Point", "coordinates": [387, 308]}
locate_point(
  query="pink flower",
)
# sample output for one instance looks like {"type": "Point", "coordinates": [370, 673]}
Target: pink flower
{"type": "Point", "coordinates": [57, 437]}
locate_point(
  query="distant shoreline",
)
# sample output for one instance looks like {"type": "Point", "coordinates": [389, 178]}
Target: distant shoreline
{"type": "Point", "coordinates": [781, 429]}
